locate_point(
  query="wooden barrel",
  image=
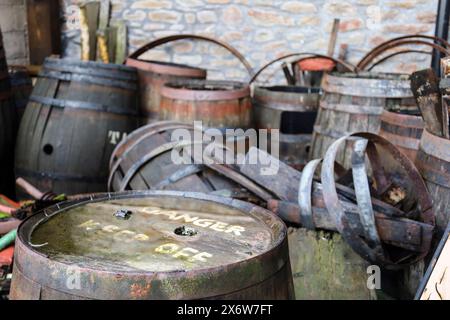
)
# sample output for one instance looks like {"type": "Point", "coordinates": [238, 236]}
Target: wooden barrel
{"type": "Point", "coordinates": [152, 245]}
{"type": "Point", "coordinates": [21, 87]}
{"type": "Point", "coordinates": [218, 104]}
{"type": "Point", "coordinates": [153, 75]}
{"type": "Point", "coordinates": [354, 103]}
{"type": "Point", "coordinates": [403, 130]}
{"type": "Point", "coordinates": [7, 125]}
{"type": "Point", "coordinates": [292, 110]}
{"type": "Point", "coordinates": [77, 113]}
{"type": "Point", "coordinates": [433, 162]}
{"type": "Point", "coordinates": [143, 161]}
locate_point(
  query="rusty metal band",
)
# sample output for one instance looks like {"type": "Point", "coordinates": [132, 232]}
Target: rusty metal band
{"type": "Point", "coordinates": [91, 79]}
{"type": "Point", "coordinates": [240, 90]}
{"type": "Point", "coordinates": [97, 69]}
{"type": "Point", "coordinates": [164, 40]}
{"type": "Point", "coordinates": [376, 63]}
{"type": "Point", "coordinates": [143, 131]}
{"type": "Point", "coordinates": [132, 171]}
{"type": "Point", "coordinates": [400, 130]}
{"type": "Point", "coordinates": [362, 85]}
{"type": "Point", "coordinates": [435, 146]}
{"type": "Point", "coordinates": [363, 197]}
{"type": "Point", "coordinates": [333, 204]}
{"type": "Point", "coordinates": [352, 108]}
{"type": "Point", "coordinates": [150, 130]}
{"type": "Point", "coordinates": [73, 104]}
{"type": "Point", "coordinates": [299, 102]}
{"type": "Point", "coordinates": [401, 141]}
{"type": "Point", "coordinates": [405, 120]}
{"type": "Point", "coordinates": [349, 67]}
{"type": "Point", "coordinates": [396, 43]}
{"type": "Point", "coordinates": [58, 176]}
{"type": "Point", "coordinates": [305, 194]}
{"type": "Point", "coordinates": [178, 175]}
{"type": "Point", "coordinates": [170, 69]}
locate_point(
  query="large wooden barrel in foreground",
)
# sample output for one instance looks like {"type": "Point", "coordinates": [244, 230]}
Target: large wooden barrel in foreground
{"type": "Point", "coordinates": [354, 103]}
{"type": "Point", "coordinates": [218, 104]}
{"type": "Point", "coordinates": [167, 245]}
{"type": "Point", "coordinates": [77, 113]}
{"type": "Point", "coordinates": [403, 130]}
{"type": "Point", "coordinates": [433, 162]}
{"type": "Point", "coordinates": [7, 128]}
{"type": "Point", "coordinates": [292, 110]}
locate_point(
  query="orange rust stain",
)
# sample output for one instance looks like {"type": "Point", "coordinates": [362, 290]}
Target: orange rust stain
{"type": "Point", "coordinates": [139, 291]}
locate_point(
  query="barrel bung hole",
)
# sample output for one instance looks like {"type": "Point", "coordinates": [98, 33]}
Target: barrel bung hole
{"type": "Point", "coordinates": [48, 149]}
{"type": "Point", "coordinates": [185, 231]}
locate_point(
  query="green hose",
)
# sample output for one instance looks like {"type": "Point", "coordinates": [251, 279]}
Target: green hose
{"type": "Point", "coordinates": [8, 239]}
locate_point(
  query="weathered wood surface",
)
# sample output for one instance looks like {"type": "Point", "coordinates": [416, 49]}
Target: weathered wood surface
{"type": "Point", "coordinates": [325, 267]}
{"type": "Point", "coordinates": [227, 249]}
{"type": "Point", "coordinates": [21, 87]}
{"type": "Point", "coordinates": [77, 113]}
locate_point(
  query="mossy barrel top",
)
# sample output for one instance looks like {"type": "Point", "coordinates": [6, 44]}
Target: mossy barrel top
{"type": "Point", "coordinates": [153, 245]}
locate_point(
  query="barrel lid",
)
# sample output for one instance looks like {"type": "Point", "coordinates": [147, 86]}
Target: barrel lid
{"type": "Point", "coordinates": [153, 232]}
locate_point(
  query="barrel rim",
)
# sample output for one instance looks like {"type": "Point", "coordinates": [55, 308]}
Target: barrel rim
{"type": "Point", "coordinates": [169, 68]}
{"type": "Point", "coordinates": [33, 263]}
{"type": "Point", "coordinates": [89, 64]}
{"type": "Point", "coordinates": [280, 89]}
{"type": "Point", "coordinates": [176, 90]}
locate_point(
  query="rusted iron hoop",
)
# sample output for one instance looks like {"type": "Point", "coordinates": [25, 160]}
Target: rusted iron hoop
{"type": "Point", "coordinates": [144, 130]}
{"type": "Point", "coordinates": [164, 40]}
{"type": "Point", "coordinates": [346, 65]}
{"type": "Point", "coordinates": [376, 52]}
{"type": "Point", "coordinates": [395, 54]}
{"type": "Point", "coordinates": [333, 204]}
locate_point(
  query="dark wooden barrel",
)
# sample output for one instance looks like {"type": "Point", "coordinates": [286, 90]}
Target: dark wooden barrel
{"type": "Point", "coordinates": [143, 161]}
{"type": "Point", "coordinates": [7, 126]}
{"type": "Point", "coordinates": [354, 103]}
{"type": "Point", "coordinates": [433, 162]}
{"type": "Point", "coordinates": [292, 110]}
{"type": "Point", "coordinates": [153, 75]}
{"type": "Point", "coordinates": [21, 87]}
{"type": "Point", "coordinates": [168, 245]}
{"type": "Point", "coordinates": [77, 113]}
{"type": "Point", "coordinates": [218, 104]}
{"type": "Point", "coordinates": [403, 130]}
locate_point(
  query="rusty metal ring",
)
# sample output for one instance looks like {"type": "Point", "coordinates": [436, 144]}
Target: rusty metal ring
{"type": "Point", "coordinates": [376, 52]}
{"type": "Point", "coordinates": [346, 65]}
{"type": "Point", "coordinates": [395, 54]}
{"type": "Point", "coordinates": [333, 204]}
{"type": "Point", "coordinates": [160, 41]}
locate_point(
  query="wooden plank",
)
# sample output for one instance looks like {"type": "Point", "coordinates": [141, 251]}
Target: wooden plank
{"type": "Point", "coordinates": [112, 40]}
{"type": "Point", "coordinates": [44, 34]}
{"type": "Point", "coordinates": [436, 283]}
{"type": "Point", "coordinates": [90, 11]}
{"type": "Point", "coordinates": [121, 42]}
{"type": "Point", "coordinates": [105, 10]}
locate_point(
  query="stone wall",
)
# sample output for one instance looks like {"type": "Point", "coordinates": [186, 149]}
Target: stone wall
{"type": "Point", "coordinates": [264, 29]}
{"type": "Point", "coordinates": [13, 22]}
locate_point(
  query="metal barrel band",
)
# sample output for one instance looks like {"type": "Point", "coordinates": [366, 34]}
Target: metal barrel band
{"type": "Point", "coordinates": [352, 108]}
{"type": "Point", "coordinates": [91, 79]}
{"type": "Point", "coordinates": [178, 175]}
{"type": "Point", "coordinates": [305, 194]}
{"type": "Point", "coordinates": [407, 132]}
{"type": "Point", "coordinates": [82, 105]}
